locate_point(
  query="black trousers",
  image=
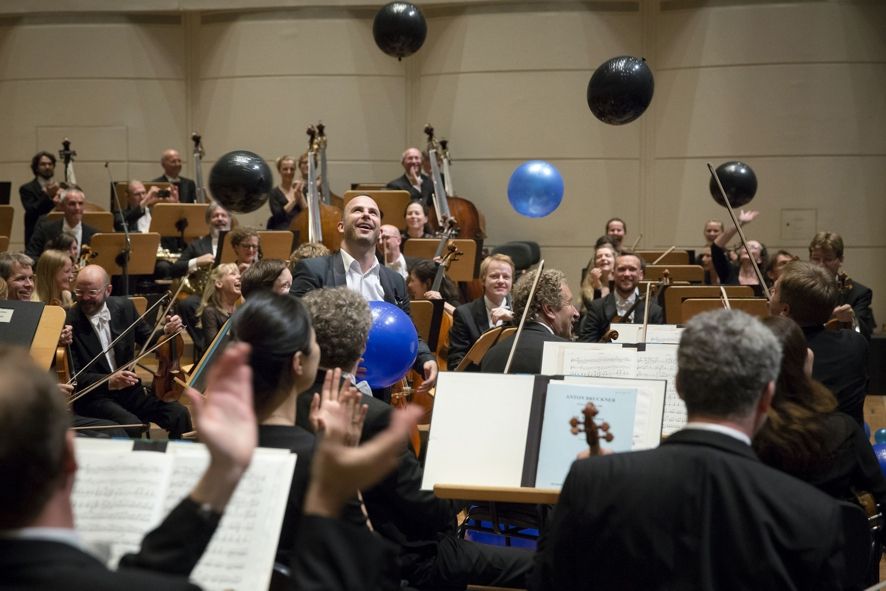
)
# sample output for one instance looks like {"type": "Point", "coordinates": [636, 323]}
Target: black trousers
{"type": "Point", "coordinates": [110, 428]}
{"type": "Point", "coordinates": [459, 563]}
{"type": "Point", "coordinates": [135, 405]}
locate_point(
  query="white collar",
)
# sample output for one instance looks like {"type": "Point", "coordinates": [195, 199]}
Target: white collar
{"type": "Point", "coordinates": [104, 313]}
{"type": "Point", "coordinates": [628, 300]}
{"type": "Point", "coordinates": [349, 262]}
{"type": "Point", "coordinates": [717, 428]}
{"type": "Point", "coordinates": [62, 535]}
{"type": "Point", "coordinates": [490, 306]}
{"type": "Point", "coordinates": [65, 225]}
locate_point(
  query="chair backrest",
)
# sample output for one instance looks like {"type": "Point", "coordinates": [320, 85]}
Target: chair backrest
{"type": "Point", "coordinates": [103, 221]}
{"type": "Point", "coordinates": [691, 273]}
{"type": "Point", "coordinates": [674, 296]}
{"type": "Point", "coordinates": [690, 307]}
{"type": "Point", "coordinates": [479, 348]}
{"type": "Point", "coordinates": [391, 202]}
{"type": "Point", "coordinates": [4, 243]}
{"type": "Point", "coordinates": [275, 244]}
{"type": "Point", "coordinates": [140, 303]}
{"type": "Point", "coordinates": [675, 257]}
{"type": "Point", "coordinates": [427, 318]}
{"type": "Point", "coordinates": [460, 270]}
{"type": "Point", "coordinates": [6, 215]}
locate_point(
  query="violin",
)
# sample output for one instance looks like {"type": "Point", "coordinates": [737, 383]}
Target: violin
{"type": "Point", "coordinates": [319, 222]}
{"type": "Point", "coordinates": [169, 379]}
{"type": "Point", "coordinates": [844, 286]}
{"type": "Point", "coordinates": [593, 432]}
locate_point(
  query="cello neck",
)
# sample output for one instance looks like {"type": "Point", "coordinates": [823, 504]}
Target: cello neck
{"type": "Point", "coordinates": [441, 206]}
{"type": "Point", "coordinates": [324, 176]}
{"type": "Point", "coordinates": [447, 174]}
{"type": "Point", "coordinates": [198, 167]}
{"type": "Point", "coordinates": [315, 228]}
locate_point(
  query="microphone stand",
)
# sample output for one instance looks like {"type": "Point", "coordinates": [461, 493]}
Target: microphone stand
{"type": "Point", "coordinates": [122, 258]}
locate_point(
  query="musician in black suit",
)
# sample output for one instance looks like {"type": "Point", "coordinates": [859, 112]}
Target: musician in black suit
{"type": "Point", "coordinates": [97, 320]}
{"type": "Point", "coordinates": [625, 301]}
{"type": "Point", "coordinates": [853, 305]}
{"type": "Point", "coordinates": [700, 511]}
{"type": "Point", "coordinates": [41, 195]}
{"type": "Point", "coordinates": [172, 167]}
{"type": "Point", "coordinates": [419, 185]}
{"type": "Point", "coordinates": [550, 318]}
{"type": "Point", "coordinates": [356, 267]}
{"type": "Point", "coordinates": [807, 293]}
{"type": "Point", "coordinates": [471, 320]}
{"type": "Point", "coordinates": [201, 251]}
{"type": "Point", "coordinates": [39, 548]}
{"type": "Point", "coordinates": [72, 200]}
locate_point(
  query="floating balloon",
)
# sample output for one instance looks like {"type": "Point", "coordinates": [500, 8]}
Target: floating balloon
{"type": "Point", "coordinates": [880, 452]}
{"type": "Point", "coordinates": [880, 436]}
{"type": "Point", "coordinates": [620, 90]}
{"type": "Point", "coordinates": [240, 181]}
{"type": "Point", "coordinates": [535, 188]}
{"type": "Point", "coordinates": [392, 345]}
{"type": "Point", "coordinates": [399, 29]}
{"type": "Point", "coordinates": [739, 182]}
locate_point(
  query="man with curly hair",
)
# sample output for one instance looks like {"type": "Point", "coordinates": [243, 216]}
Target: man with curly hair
{"type": "Point", "coordinates": [551, 317]}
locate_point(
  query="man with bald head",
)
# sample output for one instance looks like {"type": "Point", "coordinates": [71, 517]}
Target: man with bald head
{"type": "Point", "coordinates": [97, 320]}
{"type": "Point", "coordinates": [357, 267]}
{"type": "Point", "coordinates": [72, 201]}
{"type": "Point", "coordinates": [172, 167]}
{"type": "Point", "coordinates": [389, 252]}
{"type": "Point", "coordinates": [413, 180]}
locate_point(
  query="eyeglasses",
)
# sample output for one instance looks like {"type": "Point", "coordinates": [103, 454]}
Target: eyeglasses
{"type": "Point", "coordinates": [91, 293]}
{"type": "Point", "coordinates": [249, 246]}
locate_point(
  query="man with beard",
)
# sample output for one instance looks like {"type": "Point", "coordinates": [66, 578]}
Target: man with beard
{"type": "Point", "coordinates": [41, 195]}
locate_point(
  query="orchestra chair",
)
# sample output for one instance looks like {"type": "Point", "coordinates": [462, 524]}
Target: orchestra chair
{"type": "Point", "coordinates": [6, 215]}
{"type": "Point", "coordinates": [368, 186]}
{"type": "Point", "coordinates": [102, 221]}
{"type": "Point", "coordinates": [690, 307]}
{"type": "Point", "coordinates": [427, 316]}
{"type": "Point", "coordinates": [4, 243]}
{"type": "Point", "coordinates": [391, 202]}
{"type": "Point", "coordinates": [675, 257]}
{"type": "Point", "coordinates": [690, 273]}
{"type": "Point", "coordinates": [275, 244]}
{"type": "Point", "coordinates": [479, 349]}
{"type": "Point", "coordinates": [464, 269]}
{"type": "Point", "coordinates": [675, 294]}
{"type": "Point", "coordinates": [523, 253]}
{"type": "Point", "coordinates": [45, 342]}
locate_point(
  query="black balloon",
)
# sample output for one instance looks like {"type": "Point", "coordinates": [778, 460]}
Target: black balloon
{"type": "Point", "coordinates": [739, 182]}
{"type": "Point", "coordinates": [399, 29]}
{"type": "Point", "coordinates": [240, 181]}
{"type": "Point", "coordinates": [620, 90]}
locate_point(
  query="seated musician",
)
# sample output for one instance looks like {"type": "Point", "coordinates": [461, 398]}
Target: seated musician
{"type": "Point", "coordinates": [138, 219]}
{"type": "Point", "coordinates": [806, 293]}
{"type": "Point", "coordinates": [307, 250]}
{"type": "Point", "coordinates": [97, 320]}
{"type": "Point", "coordinates": [742, 273]}
{"type": "Point", "coordinates": [287, 199]}
{"type": "Point", "coordinates": [41, 195]}
{"type": "Point", "coordinates": [171, 161]}
{"type": "Point", "coordinates": [712, 229]}
{"type": "Point", "coordinates": [492, 309]}
{"type": "Point", "coordinates": [54, 274]}
{"type": "Point", "coordinates": [853, 299]}
{"type": "Point", "coordinates": [551, 317]}
{"type": "Point", "coordinates": [418, 184]}
{"type": "Point", "coordinates": [17, 270]}
{"type": "Point", "coordinates": [598, 278]}
{"type": "Point", "coordinates": [389, 251]}
{"type": "Point", "coordinates": [616, 229]}
{"type": "Point", "coordinates": [266, 275]}
{"type": "Point", "coordinates": [624, 304]}
{"type": "Point", "coordinates": [247, 246]}
{"type": "Point", "coordinates": [68, 243]}
{"type": "Point", "coordinates": [200, 253]}
{"type": "Point", "coordinates": [700, 511]}
{"type": "Point", "coordinates": [776, 264]}
{"type": "Point", "coordinates": [432, 555]}
{"type": "Point", "coordinates": [357, 267]}
{"type": "Point", "coordinates": [220, 298]}
{"type": "Point", "coordinates": [417, 225]}
{"type": "Point", "coordinates": [419, 283]}
{"type": "Point", "coordinates": [704, 259]}
{"type": "Point", "coordinates": [72, 200]}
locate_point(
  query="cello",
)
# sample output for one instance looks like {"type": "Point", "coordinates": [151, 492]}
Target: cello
{"type": "Point", "coordinates": [329, 198]}
{"type": "Point", "coordinates": [319, 222]}
{"type": "Point", "coordinates": [198, 168]}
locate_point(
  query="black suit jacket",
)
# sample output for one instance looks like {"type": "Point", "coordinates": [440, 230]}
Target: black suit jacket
{"type": "Point", "coordinates": [196, 248]}
{"type": "Point", "coordinates": [599, 316]}
{"type": "Point", "coordinates": [46, 230]}
{"type": "Point", "coordinates": [87, 345]}
{"type": "Point", "coordinates": [427, 188]}
{"type": "Point", "coordinates": [329, 271]}
{"type": "Point", "coordinates": [699, 512]}
{"type": "Point", "coordinates": [187, 189]}
{"type": "Point", "coordinates": [469, 321]}
{"type": "Point", "coordinates": [36, 204]}
{"type": "Point", "coordinates": [841, 364]}
{"type": "Point", "coordinates": [527, 357]}
{"type": "Point", "coordinates": [859, 298]}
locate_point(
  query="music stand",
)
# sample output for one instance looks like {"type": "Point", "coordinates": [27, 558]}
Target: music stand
{"type": "Point", "coordinates": [460, 270]}
{"type": "Point", "coordinates": [108, 247]}
{"type": "Point", "coordinates": [179, 220]}
{"type": "Point", "coordinates": [6, 215]}
{"type": "Point", "coordinates": [392, 204]}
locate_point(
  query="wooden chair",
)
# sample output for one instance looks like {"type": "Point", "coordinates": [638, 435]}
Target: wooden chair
{"type": "Point", "coordinates": [460, 270]}
{"type": "Point", "coordinates": [4, 243]}
{"type": "Point", "coordinates": [6, 215]}
{"type": "Point", "coordinates": [674, 296]}
{"type": "Point", "coordinates": [675, 257]}
{"type": "Point", "coordinates": [140, 303]}
{"type": "Point", "coordinates": [758, 307]}
{"type": "Point", "coordinates": [691, 273]}
{"type": "Point", "coordinates": [479, 348]}
{"type": "Point", "coordinates": [427, 315]}
{"type": "Point", "coordinates": [392, 204]}
{"type": "Point", "coordinates": [103, 221]}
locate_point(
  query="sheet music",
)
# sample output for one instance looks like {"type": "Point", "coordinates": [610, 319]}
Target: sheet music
{"type": "Point", "coordinates": [559, 446]}
{"type": "Point", "coordinates": [660, 361]}
{"type": "Point", "coordinates": [655, 333]}
{"type": "Point", "coordinates": [494, 409]}
{"type": "Point", "coordinates": [611, 361]}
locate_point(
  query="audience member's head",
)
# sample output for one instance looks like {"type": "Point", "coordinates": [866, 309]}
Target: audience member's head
{"type": "Point", "coordinates": [805, 293]}
{"type": "Point", "coordinates": [267, 274]}
{"type": "Point", "coordinates": [341, 320]}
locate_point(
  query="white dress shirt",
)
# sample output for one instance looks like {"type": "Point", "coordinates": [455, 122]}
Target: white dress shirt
{"type": "Point", "coordinates": [77, 231]}
{"type": "Point", "coordinates": [622, 305]}
{"type": "Point", "coordinates": [101, 323]}
{"type": "Point", "coordinates": [367, 284]}
{"type": "Point", "coordinates": [399, 266]}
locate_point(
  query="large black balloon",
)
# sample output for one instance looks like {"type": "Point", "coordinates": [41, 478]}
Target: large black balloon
{"type": "Point", "coordinates": [739, 182]}
{"type": "Point", "coordinates": [399, 29]}
{"type": "Point", "coordinates": [241, 181]}
{"type": "Point", "coordinates": [620, 90]}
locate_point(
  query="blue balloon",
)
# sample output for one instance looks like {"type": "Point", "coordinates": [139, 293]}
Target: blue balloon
{"type": "Point", "coordinates": [880, 436]}
{"type": "Point", "coordinates": [392, 345]}
{"type": "Point", "coordinates": [880, 452]}
{"type": "Point", "coordinates": [535, 189]}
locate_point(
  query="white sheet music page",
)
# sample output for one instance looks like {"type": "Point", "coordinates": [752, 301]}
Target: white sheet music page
{"type": "Point", "coordinates": [660, 361]}
{"type": "Point", "coordinates": [479, 427]}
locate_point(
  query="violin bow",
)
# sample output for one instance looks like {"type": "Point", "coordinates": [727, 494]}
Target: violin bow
{"type": "Point", "coordinates": [636, 242]}
{"type": "Point", "coordinates": [741, 236]}
{"type": "Point", "coordinates": [725, 298]}
{"type": "Point", "coordinates": [538, 271]}
{"type": "Point", "coordinates": [646, 312]}
{"type": "Point", "coordinates": [161, 317]}
{"type": "Point", "coordinates": [663, 255]}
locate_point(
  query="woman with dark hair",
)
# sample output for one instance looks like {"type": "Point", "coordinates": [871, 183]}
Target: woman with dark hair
{"type": "Point", "coordinates": [246, 244]}
{"type": "Point", "coordinates": [66, 242]}
{"type": "Point", "coordinates": [805, 436]}
{"type": "Point", "coordinates": [421, 278]}
{"type": "Point", "coordinates": [742, 273]}
{"type": "Point", "coordinates": [267, 274]}
{"type": "Point", "coordinates": [417, 226]}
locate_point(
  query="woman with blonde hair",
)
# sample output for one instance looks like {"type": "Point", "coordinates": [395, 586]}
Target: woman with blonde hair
{"type": "Point", "coordinates": [220, 298]}
{"type": "Point", "coordinates": [53, 275]}
{"type": "Point", "coordinates": [598, 277]}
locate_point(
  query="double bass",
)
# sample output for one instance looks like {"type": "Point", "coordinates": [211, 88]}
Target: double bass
{"type": "Point", "coordinates": [198, 167]}
{"type": "Point", "coordinates": [319, 222]}
{"type": "Point", "coordinates": [329, 198]}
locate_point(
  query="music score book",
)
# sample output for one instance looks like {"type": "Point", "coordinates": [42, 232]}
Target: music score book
{"type": "Point", "coordinates": [120, 494]}
{"type": "Point", "coordinates": [513, 430]}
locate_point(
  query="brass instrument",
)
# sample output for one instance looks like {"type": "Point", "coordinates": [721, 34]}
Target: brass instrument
{"type": "Point", "coordinates": [195, 283]}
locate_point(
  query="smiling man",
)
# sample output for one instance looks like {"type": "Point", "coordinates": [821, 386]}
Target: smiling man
{"type": "Point", "coordinates": [625, 302]}
{"type": "Point", "coordinates": [357, 267]}
{"type": "Point", "coordinates": [413, 180]}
